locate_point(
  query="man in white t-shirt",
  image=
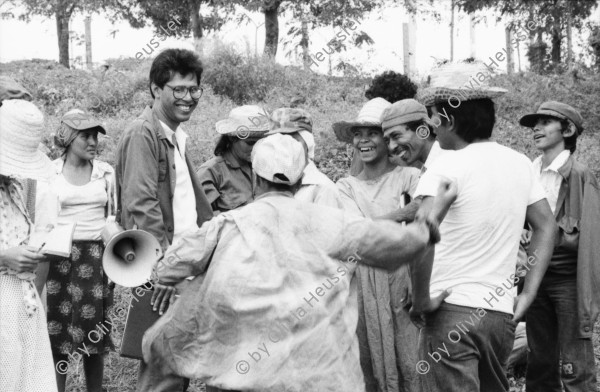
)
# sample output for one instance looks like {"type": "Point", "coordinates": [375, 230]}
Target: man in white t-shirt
{"type": "Point", "coordinates": [465, 342]}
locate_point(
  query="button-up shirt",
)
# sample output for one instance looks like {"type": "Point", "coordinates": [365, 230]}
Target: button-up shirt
{"type": "Point", "coordinates": [280, 278]}
{"type": "Point", "coordinates": [550, 177]}
{"type": "Point", "coordinates": [184, 200]}
{"type": "Point", "coordinates": [226, 183]}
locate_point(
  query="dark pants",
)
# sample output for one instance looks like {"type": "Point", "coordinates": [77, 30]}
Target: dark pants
{"type": "Point", "coordinates": [465, 350]}
{"type": "Point", "coordinates": [552, 327]}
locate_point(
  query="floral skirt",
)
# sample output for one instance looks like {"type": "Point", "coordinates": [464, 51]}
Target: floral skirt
{"type": "Point", "coordinates": [79, 299]}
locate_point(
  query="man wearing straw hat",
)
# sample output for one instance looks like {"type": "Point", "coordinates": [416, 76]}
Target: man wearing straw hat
{"type": "Point", "coordinates": [274, 308]}
{"type": "Point", "coordinates": [476, 258]}
{"type": "Point", "coordinates": [156, 182]}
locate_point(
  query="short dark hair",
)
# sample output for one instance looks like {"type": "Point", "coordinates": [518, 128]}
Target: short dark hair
{"type": "Point", "coordinates": [223, 145]}
{"type": "Point", "coordinates": [391, 86]}
{"type": "Point", "coordinates": [171, 61]}
{"type": "Point", "coordinates": [474, 119]}
{"type": "Point", "coordinates": [570, 141]}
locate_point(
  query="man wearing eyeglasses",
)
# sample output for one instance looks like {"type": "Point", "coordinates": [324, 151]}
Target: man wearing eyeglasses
{"type": "Point", "coordinates": [157, 185]}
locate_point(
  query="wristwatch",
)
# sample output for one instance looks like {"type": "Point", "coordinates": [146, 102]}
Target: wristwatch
{"type": "Point", "coordinates": [433, 228]}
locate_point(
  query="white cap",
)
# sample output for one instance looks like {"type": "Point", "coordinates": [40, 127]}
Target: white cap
{"type": "Point", "coordinates": [279, 158]}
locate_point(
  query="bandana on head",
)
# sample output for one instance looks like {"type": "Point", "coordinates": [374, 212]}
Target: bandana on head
{"type": "Point", "coordinates": [64, 137]}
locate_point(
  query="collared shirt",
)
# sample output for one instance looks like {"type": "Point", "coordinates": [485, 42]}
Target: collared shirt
{"type": "Point", "coordinates": [184, 200]}
{"type": "Point", "coordinates": [226, 183]}
{"type": "Point", "coordinates": [318, 188]}
{"type": "Point", "coordinates": [281, 274]}
{"type": "Point", "coordinates": [550, 177]}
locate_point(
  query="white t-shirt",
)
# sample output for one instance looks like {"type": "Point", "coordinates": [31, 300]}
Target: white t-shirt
{"type": "Point", "coordinates": [480, 234]}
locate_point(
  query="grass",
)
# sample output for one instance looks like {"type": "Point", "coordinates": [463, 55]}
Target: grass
{"type": "Point", "coordinates": [117, 102]}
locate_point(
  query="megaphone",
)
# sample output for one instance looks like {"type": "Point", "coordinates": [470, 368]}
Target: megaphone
{"type": "Point", "coordinates": [129, 255]}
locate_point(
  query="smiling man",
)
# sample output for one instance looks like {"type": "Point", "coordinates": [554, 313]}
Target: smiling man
{"type": "Point", "coordinates": [157, 185]}
{"type": "Point", "coordinates": [408, 133]}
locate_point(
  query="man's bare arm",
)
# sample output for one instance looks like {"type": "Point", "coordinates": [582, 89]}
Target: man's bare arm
{"type": "Point", "coordinates": [541, 247]}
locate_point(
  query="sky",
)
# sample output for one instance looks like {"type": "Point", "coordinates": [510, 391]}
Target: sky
{"type": "Point", "coordinates": [113, 39]}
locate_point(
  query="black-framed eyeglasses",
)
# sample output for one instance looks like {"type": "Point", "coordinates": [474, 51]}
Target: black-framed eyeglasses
{"type": "Point", "coordinates": [179, 92]}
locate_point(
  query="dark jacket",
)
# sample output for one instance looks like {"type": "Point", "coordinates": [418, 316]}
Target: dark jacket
{"type": "Point", "coordinates": [146, 180]}
{"type": "Point", "coordinates": [578, 215]}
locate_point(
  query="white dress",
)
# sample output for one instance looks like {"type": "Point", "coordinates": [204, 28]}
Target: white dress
{"type": "Point", "coordinates": [25, 358]}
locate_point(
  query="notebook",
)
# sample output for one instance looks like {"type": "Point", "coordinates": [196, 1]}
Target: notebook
{"type": "Point", "coordinates": [139, 318]}
{"type": "Point", "coordinates": [57, 241]}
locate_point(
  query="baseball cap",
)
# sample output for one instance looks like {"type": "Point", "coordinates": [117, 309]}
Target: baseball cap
{"type": "Point", "coordinates": [554, 109]}
{"type": "Point", "coordinates": [80, 120]}
{"type": "Point", "coordinates": [404, 111]}
{"type": "Point", "coordinates": [278, 158]}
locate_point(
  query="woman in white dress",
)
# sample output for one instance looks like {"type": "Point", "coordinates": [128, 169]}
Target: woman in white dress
{"type": "Point", "coordinates": [386, 336]}
{"type": "Point", "coordinates": [25, 356]}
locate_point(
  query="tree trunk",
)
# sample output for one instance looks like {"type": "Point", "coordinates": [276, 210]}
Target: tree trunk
{"type": "Point", "coordinates": [556, 40]}
{"type": "Point", "coordinates": [62, 31]}
{"type": "Point", "coordinates": [452, 31]}
{"type": "Point", "coordinates": [304, 42]}
{"type": "Point", "coordinates": [88, 42]}
{"type": "Point", "coordinates": [196, 21]}
{"type": "Point", "coordinates": [472, 41]}
{"type": "Point", "coordinates": [271, 11]}
{"type": "Point", "coordinates": [569, 37]}
{"type": "Point", "coordinates": [510, 62]}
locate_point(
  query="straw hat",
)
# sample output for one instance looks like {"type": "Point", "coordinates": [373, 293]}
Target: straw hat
{"type": "Point", "coordinates": [369, 116]}
{"type": "Point", "coordinates": [21, 127]}
{"type": "Point", "coordinates": [279, 158]}
{"type": "Point", "coordinates": [245, 121]}
{"type": "Point", "coordinates": [455, 82]}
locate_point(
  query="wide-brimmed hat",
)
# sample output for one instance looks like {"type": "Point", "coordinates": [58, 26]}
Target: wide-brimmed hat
{"type": "Point", "coordinates": [369, 116]}
{"type": "Point", "coordinates": [21, 128]}
{"type": "Point", "coordinates": [404, 111]}
{"type": "Point", "coordinates": [456, 82]}
{"type": "Point", "coordinates": [555, 109]}
{"type": "Point", "coordinates": [279, 158]}
{"type": "Point", "coordinates": [245, 121]}
{"type": "Point", "coordinates": [290, 120]}
{"type": "Point", "coordinates": [81, 121]}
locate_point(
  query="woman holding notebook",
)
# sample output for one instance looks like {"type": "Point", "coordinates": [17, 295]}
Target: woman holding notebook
{"type": "Point", "coordinates": [25, 356]}
{"type": "Point", "coordinates": [79, 294]}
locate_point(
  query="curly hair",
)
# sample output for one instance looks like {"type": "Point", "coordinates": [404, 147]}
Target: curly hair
{"type": "Point", "coordinates": [391, 86]}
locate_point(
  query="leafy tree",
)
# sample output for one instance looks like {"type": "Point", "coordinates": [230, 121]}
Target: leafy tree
{"type": "Point", "coordinates": [555, 16]}
{"type": "Point", "coordinates": [61, 10]}
{"type": "Point", "coordinates": [187, 13]}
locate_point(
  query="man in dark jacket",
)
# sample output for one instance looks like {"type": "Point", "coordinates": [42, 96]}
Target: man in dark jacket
{"type": "Point", "coordinates": [561, 319]}
{"type": "Point", "coordinates": [157, 185]}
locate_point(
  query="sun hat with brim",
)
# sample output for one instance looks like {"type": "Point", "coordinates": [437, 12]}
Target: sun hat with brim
{"type": "Point", "coordinates": [404, 111]}
{"type": "Point", "coordinates": [456, 82]}
{"type": "Point", "coordinates": [290, 120]}
{"type": "Point", "coordinates": [81, 121]}
{"type": "Point", "coordinates": [21, 128]}
{"type": "Point", "coordinates": [279, 158]}
{"type": "Point", "coordinates": [555, 109]}
{"type": "Point", "coordinates": [245, 121]}
{"type": "Point", "coordinates": [368, 116]}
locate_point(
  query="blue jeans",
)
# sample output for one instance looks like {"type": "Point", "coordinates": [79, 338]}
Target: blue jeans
{"type": "Point", "coordinates": [466, 350]}
{"type": "Point", "coordinates": [552, 327]}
